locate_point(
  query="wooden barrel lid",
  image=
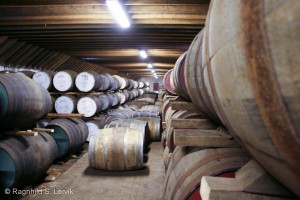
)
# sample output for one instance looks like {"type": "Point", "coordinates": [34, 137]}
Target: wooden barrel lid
{"type": "Point", "coordinates": [85, 82]}
{"type": "Point", "coordinates": [87, 106]}
{"type": "Point", "coordinates": [63, 81]}
{"type": "Point", "coordinates": [65, 104]}
{"type": "Point", "coordinates": [43, 79]}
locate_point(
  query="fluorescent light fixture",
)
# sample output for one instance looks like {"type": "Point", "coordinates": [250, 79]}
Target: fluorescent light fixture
{"type": "Point", "coordinates": [143, 54]}
{"type": "Point", "coordinates": [150, 65]}
{"type": "Point", "coordinates": [153, 71]}
{"type": "Point", "coordinates": [117, 11]}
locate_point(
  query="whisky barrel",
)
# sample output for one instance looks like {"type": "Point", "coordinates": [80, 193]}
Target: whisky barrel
{"type": "Point", "coordinates": [107, 82]}
{"type": "Point", "coordinates": [25, 160]}
{"type": "Point", "coordinates": [185, 177]}
{"type": "Point", "coordinates": [44, 78]}
{"type": "Point", "coordinates": [88, 81]}
{"type": "Point", "coordinates": [154, 126]}
{"type": "Point", "coordinates": [195, 79]}
{"type": "Point", "coordinates": [94, 127]}
{"type": "Point", "coordinates": [166, 157]}
{"type": "Point", "coordinates": [251, 65]}
{"type": "Point", "coordinates": [82, 127]}
{"type": "Point", "coordinates": [22, 101]}
{"type": "Point", "coordinates": [177, 79]}
{"type": "Point", "coordinates": [122, 97]}
{"type": "Point", "coordinates": [132, 123]}
{"type": "Point", "coordinates": [106, 102]}
{"type": "Point", "coordinates": [65, 104]}
{"type": "Point", "coordinates": [117, 149]}
{"type": "Point", "coordinates": [167, 83]}
{"type": "Point", "coordinates": [114, 99]}
{"type": "Point", "coordinates": [89, 105]}
{"type": "Point", "coordinates": [68, 135]}
{"type": "Point", "coordinates": [115, 85]}
{"type": "Point", "coordinates": [135, 84]}
{"type": "Point", "coordinates": [155, 108]}
{"type": "Point", "coordinates": [64, 81]}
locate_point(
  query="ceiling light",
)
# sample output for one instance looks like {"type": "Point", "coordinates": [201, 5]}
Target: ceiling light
{"type": "Point", "coordinates": [118, 12]}
{"type": "Point", "coordinates": [143, 54]}
{"type": "Point", "coordinates": [153, 71]}
{"type": "Point", "coordinates": [150, 65]}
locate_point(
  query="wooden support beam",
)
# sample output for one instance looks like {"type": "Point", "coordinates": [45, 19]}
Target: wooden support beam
{"type": "Point", "coordinates": [202, 138]}
{"type": "Point", "coordinates": [56, 115]}
{"type": "Point", "coordinates": [44, 130]}
{"type": "Point", "coordinates": [22, 133]}
{"type": "Point", "coordinates": [77, 93]}
{"type": "Point", "coordinates": [251, 183]}
{"type": "Point", "coordinates": [183, 105]}
{"type": "Point", "coordinates": [193, 123]}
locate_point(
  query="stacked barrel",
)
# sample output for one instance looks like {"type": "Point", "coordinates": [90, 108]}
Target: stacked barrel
{"type": "Point", "coordinates": [241, 72]}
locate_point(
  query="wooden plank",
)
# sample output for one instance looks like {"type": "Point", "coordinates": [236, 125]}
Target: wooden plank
{"type": "Point", "coordinates": [202, 138]}
{"type": "Point", "coordinates": [254, 179]}
{"type": "Point", "coordinates": [193, 123]}
{"type": "Point", "coordinates": [44, 130]}
{"type": "Point", "coordinates": [56, 115]}
{"type": "Point", "coordinates": [217, 188]}
{"type": "Point", "coordinates": [22, 133]}
{"type": "Point", "coordinates": [182, 105]}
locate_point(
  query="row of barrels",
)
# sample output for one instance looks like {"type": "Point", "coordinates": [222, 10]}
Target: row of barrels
{"type": "Point", "coordinates": [241, 71]}
{"type": "Point", "coordinates": [91, 105]}
{"type": "Point", "coordinates": [86, 81]}
{"type": "Point", "coordinates": [25, 159]}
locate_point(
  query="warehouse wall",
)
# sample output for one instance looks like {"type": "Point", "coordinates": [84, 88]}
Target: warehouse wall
{"type": "Point", "coordinates": [151, 81]}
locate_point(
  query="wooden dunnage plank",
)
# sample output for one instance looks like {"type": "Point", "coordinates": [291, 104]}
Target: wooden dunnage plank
{"type": "Point", "coordinates": [193, 123]}
{"type": "Point", "coordinates": [202, 138]}
{"type": "Point", "coordinates": [182, 105]}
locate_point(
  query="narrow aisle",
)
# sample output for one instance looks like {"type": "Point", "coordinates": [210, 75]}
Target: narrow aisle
{"type": "Point", "coordinates": [87, 183]}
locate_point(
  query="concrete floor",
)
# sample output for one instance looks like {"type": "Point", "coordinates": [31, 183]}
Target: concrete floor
{"type": "Point", "coordinates": [83, 182]}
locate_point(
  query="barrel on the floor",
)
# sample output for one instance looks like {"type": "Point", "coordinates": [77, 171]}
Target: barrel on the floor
{"type": "Point", "coordinates": [185, 177]}
{"type": "Point", "coordinates": [66, 104]}
{"type": "Point", "coordinates": [88, 81]}
{"type": "Point", "coordinates": [89, 105]}
{"type": "Point", "coordinates": [25, 159]}
{"type": "Point", "coordinates": [44, 78]}
{"type": "Point", "coordinates": [154, 126]}
{"type": "Point", "coordinates": [64, 81]}
{"type": "Point", "coordinates": [22, 101]}
{"type": "Point", "coordinates": [133, 123]}
{"type": "Point", "coordinates": [67, 135]}
{"type": "Point", "coordinates": [117, 149]}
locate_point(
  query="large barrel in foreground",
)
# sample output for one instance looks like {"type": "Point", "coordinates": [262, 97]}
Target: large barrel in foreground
{"type": "Point", "coordinates": [22, 101]}
{"type": "Point", "coordinates": [250, 62]}
{"type": "Point", "coordinates": [25, 160]}
{"type": "Point", "coordinates": [117, 149]}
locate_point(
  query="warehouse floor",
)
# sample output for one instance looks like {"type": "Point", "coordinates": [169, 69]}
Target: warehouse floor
{"type": "Point", "coordinates": [83, 182]}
